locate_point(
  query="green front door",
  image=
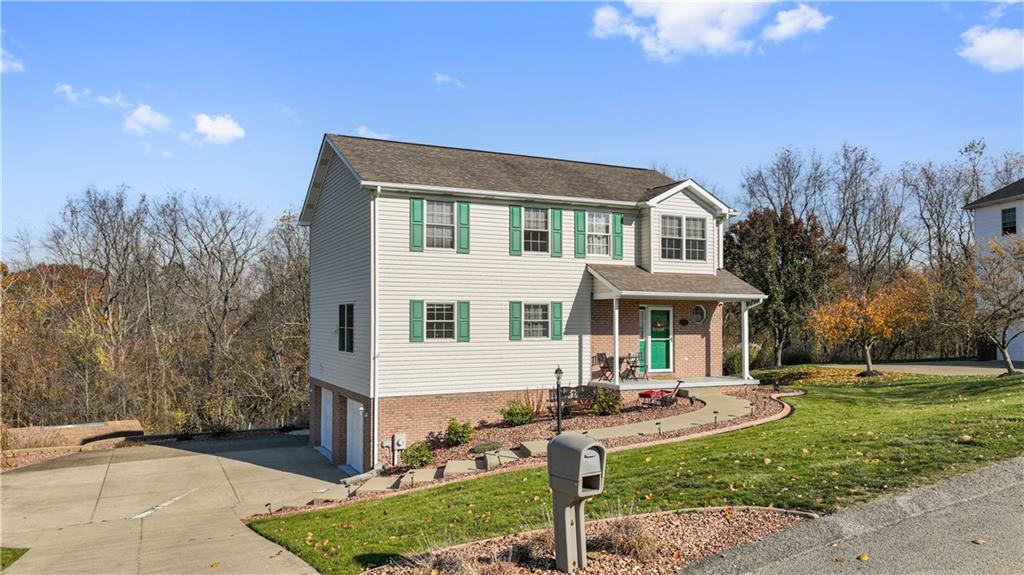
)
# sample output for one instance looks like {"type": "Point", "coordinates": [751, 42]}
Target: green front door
{"type": "Point", "coordinates": [661, 339]}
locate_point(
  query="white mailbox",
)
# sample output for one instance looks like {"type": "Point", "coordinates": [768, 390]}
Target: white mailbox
{"type": "Point", "coordinates": [575, 474]}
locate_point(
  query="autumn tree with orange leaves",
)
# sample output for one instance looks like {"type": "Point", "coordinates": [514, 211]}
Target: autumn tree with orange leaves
{"type": "Point", "coordinates": [870, 319]}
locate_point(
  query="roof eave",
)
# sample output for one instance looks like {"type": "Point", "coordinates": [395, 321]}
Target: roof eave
{"type": "Point", "coordinates": [496, 194]}
{"type": "Point", "coordinates": [316, 181]}
{"type": "Point", "coordinates": [689, 184]}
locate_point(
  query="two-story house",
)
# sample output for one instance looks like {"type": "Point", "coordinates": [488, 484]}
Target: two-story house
{"type": "Point", "coordinates": [446, 282]}
{"type": "Point", "coordinates": [996, 216]}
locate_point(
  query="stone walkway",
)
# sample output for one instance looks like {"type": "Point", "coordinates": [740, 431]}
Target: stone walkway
{"type": "Point", "coordinates": [718, 407]}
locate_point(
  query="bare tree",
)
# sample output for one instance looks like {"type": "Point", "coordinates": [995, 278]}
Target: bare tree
{"type": "Point", "coordinates": [791, 181]}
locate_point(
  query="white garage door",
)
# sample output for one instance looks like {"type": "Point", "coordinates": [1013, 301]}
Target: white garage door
{"type": "Point", "coordinates": [354, 435]}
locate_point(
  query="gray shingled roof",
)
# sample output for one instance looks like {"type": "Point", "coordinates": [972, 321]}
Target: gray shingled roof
{"type": "Point", "coordinates": [1013, 190]}
{"type": "Point", "coordinates": [401, 162]}
{"type": "Point", "coordinates": [634, 279]}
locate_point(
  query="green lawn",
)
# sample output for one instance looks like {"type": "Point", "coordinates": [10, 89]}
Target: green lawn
{"type": "Point", "coordinates": [9, 555]}
{"type": "Point", "coordinates": [846, 442]}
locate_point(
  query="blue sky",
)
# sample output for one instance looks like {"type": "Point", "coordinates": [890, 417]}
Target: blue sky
{"type": "Point", "coordinates": [231, 99]}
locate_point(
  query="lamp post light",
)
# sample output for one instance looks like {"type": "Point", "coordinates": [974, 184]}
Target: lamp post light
{"type": "Point", "coordinates": [558, 399]}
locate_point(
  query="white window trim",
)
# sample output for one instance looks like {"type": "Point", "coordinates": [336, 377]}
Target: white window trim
{"type": "Point", "coordinates": [455, 322]}
{"type": "Point", "coordinates": [689, 259]}
{"type": "Point", "coordinates": [522, 240]}
{"type": "Point", "coordinates": [454, 226]}
{"type": "Point", "coordinates": [587, 234]}
{"type": "Point", "coordinates": [522, 321]}
{"type": "Point", "coordinates": [341, 327]}
{"type": "Point", "coordinates": [682, 238]}
{"type": "Point", "coordinates": [705, 314]}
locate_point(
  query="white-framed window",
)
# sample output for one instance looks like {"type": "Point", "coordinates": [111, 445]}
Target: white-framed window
{"type": "Point", "coordinates": [699, 314]}
{"type": "Point", "coordinates": [599, 233]}
{"type": "Point", "coordinates": [440, 225]}
{"type": "Point", "coordinates": [1009, 221]}
{"type": "Point", "coordinates": [440, 321]}
{"type": "Point", "coordinates": [346, 327]}
{"type": "Point", "coordinates": [535, 320]}
{"type": "Point", "coordinates": [696, 239]}
{"type": "Point", "coordinates": [535, 230]}
{"type": "Point", "coordinates": [671, 238]}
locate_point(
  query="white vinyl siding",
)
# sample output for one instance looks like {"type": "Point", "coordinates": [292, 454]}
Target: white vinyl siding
{"type": "Point", "coordinates": [685, 206]}
{"type": "Point", "coordinates": [339, 272]}
{"type": "Point", "coordinates": [489, 279]}
{"type": "Point", "coordinates": [988, 225]}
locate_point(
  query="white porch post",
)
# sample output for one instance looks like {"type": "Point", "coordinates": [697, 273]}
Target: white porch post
{"type": "Point", "coordinates": [615, 338]}
{"type": "Point", "coordinates": [745, 329]}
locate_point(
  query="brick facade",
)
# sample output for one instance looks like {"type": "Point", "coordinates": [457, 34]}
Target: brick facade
{"type": "Point", "coordinates": [697, 347]}
{"type": "Point", "coordinates": [339, 440]}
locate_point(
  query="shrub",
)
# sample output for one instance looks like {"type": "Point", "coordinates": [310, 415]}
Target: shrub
{"type": "Point", "coordinates": [417, 455]}
{"type": "Point", "coordinates": [606, 402]}
{"type": "Point", "coordinates": [796, 357]}
{"type": "Point", "coordinates": [734, 358]}
{"type": "Point", "coordinates": [485, 447]}
{"type": "Point", "coordinates": [457, 433]}
{"type": "Point", "coordinates": [538, 547]}
{"type": "Point", "coordinates": [631, 537]}
{"type": "Point", "coordinates": [517, 413]}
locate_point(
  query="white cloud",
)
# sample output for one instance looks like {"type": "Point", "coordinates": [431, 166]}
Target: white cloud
{"type": "Point", "coordinates": [144, 119]}
{"type": "Point", "coordinates": [222, 129]}
{"type": "Point", "coordinates": [291, 114]}
{"type": "Point", "coordinates": [441, 79]}
{"type": "Point", "coordinates": [666, 31]}
{"type": "Point", "coordinates": [792, 23]}
{"type": "Point", "coordinates": [368, 133]}
{"type": "Point", "coordinates": [9, 64]}
{"type": "Point", "coordinates": [70, 94]}
{"type": "Point", "coordinates": [995, 49]}
{"type": "Point", "coordinates": [117, 100]}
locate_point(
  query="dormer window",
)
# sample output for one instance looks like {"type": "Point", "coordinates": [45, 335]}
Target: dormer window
{"type": "Point", "coordinates": [696, 239]}
{"type": "Point", "coordinates": [671, 238]}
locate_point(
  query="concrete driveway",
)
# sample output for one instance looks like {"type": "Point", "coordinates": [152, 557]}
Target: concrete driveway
{"type": "Point", "coordinates": [960, 367]}
{"type": "Point", "coordinates": [170, 508]}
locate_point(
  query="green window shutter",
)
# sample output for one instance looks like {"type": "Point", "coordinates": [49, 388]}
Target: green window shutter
{"type": "Point", "coordinates": [580, 233]}
{"type": "Point", "coordinates": [463, 240]}
{"type": "Point", "coordinates": [415, 224]}
{"type": "Point", "coordinates": [416, 320]}
{"type": "Point", "coordinates": [515, 230]}
{"type": "Point", "coordinates": [515, 320]}
{"type": "Point", "coordinates": [616, 236]}
{"type": "Point", "coordinates": [555, 218]}
{"type": "Point", "coordinates": [463, 320]}
{"type": "Point", "coordinates": [556, 320]}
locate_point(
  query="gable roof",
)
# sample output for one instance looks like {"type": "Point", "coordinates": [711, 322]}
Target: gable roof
{"type": "Point", "coordinates": [633, 281]}
{"type": "Point", "coordinates": [407, 163]}
{"type": "Point", "coordinates": [1014, 190]}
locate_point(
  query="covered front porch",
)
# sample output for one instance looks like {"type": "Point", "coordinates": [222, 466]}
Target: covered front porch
{"type": "Point", "coordinates": [648, 331]}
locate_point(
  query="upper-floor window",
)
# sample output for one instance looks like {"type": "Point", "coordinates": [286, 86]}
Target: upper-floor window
{"type": "Point", "coordinates": [599, 233]}
{"type": "Point", "coordinates": [440, 224]}
{"type": "Point", "coordinates": [1009, 221]}
{"type": "Point", "coordinates": [440, 321]}
{"type": "Point", "coordinates": [535, 320]}
{"type": "Point", "coordinates": [346, 327]}
{"type": "Point", "coordinates": [696, 239]}
{"type": "Point", "coordinates": [535, 229]}
{"type": "Point", "coordinates": [671, 238]}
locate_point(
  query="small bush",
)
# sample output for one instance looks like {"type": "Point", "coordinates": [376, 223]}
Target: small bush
{"type": "Point", "coordinates": [517, 413]}
{"type": "Point", "coordinates": [485, 447]}
{"type": "Point", "coordinates": [631, 537]}
{"type": "Point", "coordinates": [457, 433]}
{"type": "Point", "coordinates": [606, 402]}
{"type": "Point", "coordinates": [417, 455]}
{"type": "Point", "coordinates": [734, 358]}
{"type": "Point", "coordinates": [538, 548]}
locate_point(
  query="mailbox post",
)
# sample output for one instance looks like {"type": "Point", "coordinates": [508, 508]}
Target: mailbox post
{"type": "Point", "coordinates": [575, 474]}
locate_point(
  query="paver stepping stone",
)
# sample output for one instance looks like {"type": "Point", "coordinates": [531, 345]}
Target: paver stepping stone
{"type": "Point", "coordinates": [459, 466]}
{"type": "Point", "coordinates": [498, 458]}
{"type": "Point", "coordinates": [379, 483]}
{"type": "Point", "coordinates": [534, 448]}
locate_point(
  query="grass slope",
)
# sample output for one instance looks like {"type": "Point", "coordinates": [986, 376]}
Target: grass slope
{"type": "Point", "coordinates": [846, 442]}
{"type": "Point", "coordinates": [9, 555]}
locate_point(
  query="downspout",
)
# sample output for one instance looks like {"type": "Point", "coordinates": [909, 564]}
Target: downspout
{"type": "Point", "coordinates": [374, 338]}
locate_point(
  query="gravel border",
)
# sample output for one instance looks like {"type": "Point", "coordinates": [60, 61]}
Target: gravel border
{"type": "Point", "coordinates": [674, 539]}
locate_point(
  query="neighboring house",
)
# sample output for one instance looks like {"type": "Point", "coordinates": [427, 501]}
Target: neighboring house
{"type": "Point", "coordinates": [446, 282]}
{"type": "Point", "coordinates": [996, 215]}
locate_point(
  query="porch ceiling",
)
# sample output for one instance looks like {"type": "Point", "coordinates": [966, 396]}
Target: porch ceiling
{"type": "Point", "coordinates": [625, 281]}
